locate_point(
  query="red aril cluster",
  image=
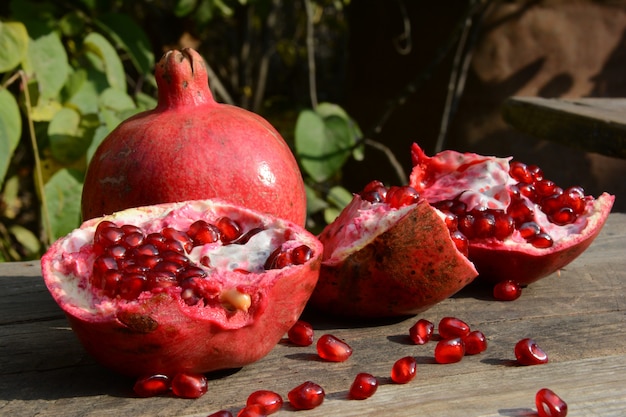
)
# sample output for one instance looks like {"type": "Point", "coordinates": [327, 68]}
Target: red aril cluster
{"type": "Point", "coordinates": [306, 396]}
{"type": "Point", "coordinates": [528, 352]}
{"type": "Point", "coordinates": [457, 340]}
{"type": "Point", "coordinates": [267, 402]}
{"type": "Point", "coordinates": [549, 404]}
{"type": "Point", "coordinates": [421, 332]}
{"type": "Point", "coordinates": [404, 370]}
{"type": "Point", "coordinates": [363, 386]}
{"type": "Point", "coordinates": [394, 196]}
{"type": "Point", "coordinates": [508, 290]}
{"type": "Point", "coordinates": [301, 333]}
{"type": "Point", "coordinates": [129, 262]}
{"type": "Point", "coordinates": [333, 349]}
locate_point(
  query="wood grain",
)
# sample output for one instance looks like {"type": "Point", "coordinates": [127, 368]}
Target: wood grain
{"type": "Point", "coordinates": [577, 316]}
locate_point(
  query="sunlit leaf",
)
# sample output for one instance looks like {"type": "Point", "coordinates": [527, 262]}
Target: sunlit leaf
{"type": "Point", "coordinates": [48, 61]}
{"type": "Point", "coordinates": [69, 138]}
{"type": "Point", "coordinates": [314, 203]}
{"type": "Point", "coordinates": [109, 59]}
{"type": "Point", "coordinates": [10, 130]}
{"type": "Point", "coordinates": [339, 197]}
{"type": "Point", "coordinates": [13, 45]}
{"type": "Point", "coordinates": [63, 193]}
{"type": "Point", "coordinates": [29, 241]}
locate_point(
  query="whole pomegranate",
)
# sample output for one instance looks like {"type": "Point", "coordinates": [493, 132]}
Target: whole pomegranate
{"type": "Point", "coordinates": [388, 253]}
{"type": "Point", "coordinates": [520, 226]}
{"type": "Point", "coordinates": [185, 287]}
{"type": "Point", "coordinates": [191, 147]}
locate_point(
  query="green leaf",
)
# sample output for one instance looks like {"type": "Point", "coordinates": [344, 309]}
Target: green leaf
{"type": "Point", "coordinates": [330, 214]}
{"type": "Point", "coordinates": [47, 60]}
{"type": "Point", "coordinates": [131, 38]}
{"type": "Point", "coordinates": [314, 203]}
{"type": "Point", "coordinates": [63, 193]}
{"type": "Point", "coordinates": [10, 130]}
{"type": "Point", "coordinates": [13, 45]}
{"type": "Point", "coordinates": [322, 144]}
{"type": "Point", "coordinates": [69, 136]}
{"type": "Point", "coordinates": [339, 197]}
{"type": "Point", "coordinates": [30, 243]}
{"type": "Point", "coordinates": [72, 24]}
{"type": "Point", "coordinates": [326, 109]}
{"type": "Point", "coordinates": [83, 90]}
{"type": "Point", "coordinates": [109, 59]}
{"type": "Point", "coordinates": [184, 7]}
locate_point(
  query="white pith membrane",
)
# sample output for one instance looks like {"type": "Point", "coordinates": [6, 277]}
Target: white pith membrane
{"type": "Point", "coordinates": [358, 224]}
{"type": "Point", "coordinates": [482, 182]}
{"type": "Point", "coordinates": [72, 265]}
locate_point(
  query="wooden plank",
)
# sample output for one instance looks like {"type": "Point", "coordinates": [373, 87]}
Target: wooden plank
{"type": "Point", "coordinates": [590, 124]}
{"type": "Point", "coordinates": [577, 317]}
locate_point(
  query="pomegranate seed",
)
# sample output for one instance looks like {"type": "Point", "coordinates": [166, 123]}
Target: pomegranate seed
{"type": "Point", "coordinates": [401, 196]}
{"type": "Point", "coordinates": [245, 237]}
{"type": "Point", "coordinates": [451, 327]}
{"type": "Point", "coordinates": [132, 239]}
{"type": "Point", "coordinates": [374, 192]}
{"type": "Point", "coordinates": [301, 333]}
{"type": "Point", "coordinates": [545, 188]}
{"type": "Point", "coordinates": [527, 352]}
{"type": "Point", "coordinates": [449, 350]}
{"type": "Point", "coordinates": [519, 171]}
{"type": "Point", "coordinates": [484, 225]}
{"type": "Point", "coordinates": [542, 241]}
{"type": "Point", "coordinates": [404, 370]}
{"type": "Point", "coordinates": [475, 342]}
{"type": "Point", "coordinates": [116, 251]}
{"type": "Point", "coordinates": [504, 227]}
{"type": "Point", "coordinates": [466, 225]}
{"type": "Point", "coordinates": [268, 402]}
{"type": "Point", "coordinates": [452, 221]}
{"type": "Point", "coordinates": [108, 235]}
{"type": "Point", "coordinates": [551, 203]}
{"type": "Point", "coordinates": [306, 396]}
{"type": "Point", "coordinates": [191, 272]}
{"type": "Point", "coordinates": [563, 216]}
{"type": "Point", "coordinates": [549, 404]}
{"type": "Point", "coordinates": [301, 255]}
{"type": "Point", "coordinates": [229, 229]}
{"type": "Point", "coordinates": [189, 385]}
{"type": "Point", "coordinates": [527, 190]}
{"type": "Point", "coordinates": [201, 233]}
{"type": "Point", "coordinates": [130, 286]}
{"type": "Point", "coordinates": [536, 172]}
{"type": "Point", "coordinates": [251, 411]}
{"type": "Point", "coordinates": [221, 413]}
{"type": "Point", "coordinates": [182, 238]}
{"type": "Point", "coordinates": [461, 242]}
{"type": "Point", "coordinates": [521, 211]}
{"type": "Point", "coordinates": [363, 386]}
{"type": "Point", "coordinates": [152, 385]}
{"type": "Point", "coordinates": [529, 230]}
{"type": "Point", "coordinates": [507, 290]}
{"type": "Point", "coordinates": [421, 332]}
{"type": "Point", "coordinates": [146, 249]}
{"type": "Point", "coordinates": [333, 349]}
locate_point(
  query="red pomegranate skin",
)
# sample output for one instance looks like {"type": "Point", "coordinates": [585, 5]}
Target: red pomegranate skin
{"type": "Point", "coordinates": [160, 333]}
{"type": "Point", "coordinates": [405, 270]}
{"type": "Point", "coordinates": [190, 147]}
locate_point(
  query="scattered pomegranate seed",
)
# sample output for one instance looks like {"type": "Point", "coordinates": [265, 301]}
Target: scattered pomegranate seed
{"type": "Point", "coordinates": [306, 396]}
{"type": "Point", "coordinates": [333, 349]}
{"type": "Point", "coordinates": [404, 370]}
{"type": "Point", "coordinates": [550, 404]}
{"type": "Point", "coordinates": [449, 350]}
{"type": "Point", "coordinates": [401, 196]}
{"type": "Point", "coordinates": [507, 290]}
{"type": "Point", "coordinates": [253, 410]}
{"type": "Point", "coordinates": [268, 402]}
{"type": "Point", "coordinates": [475, 342]}
{"type": "Point", "coordinates": [363, 386]}
{"type": "Point", "coordinates": [301, 333]}
{"type": "Point", "coordinates": [451, 327]}
{"type": "Point", "coordinates": [527, 352]}
{"type": "Point", "coordinates": [421, 332]}
{"type": "Point", "coordinates": [152, 385]}
{"type": "Point", "coordinates": [189, 385]}
{"type": "Point", "coordinates": [221, 413]}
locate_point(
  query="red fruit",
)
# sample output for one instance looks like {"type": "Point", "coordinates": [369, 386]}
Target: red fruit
{"type": "Point", "coordinates": [421, 332]}
{"type": "Point", "coordinates": [363, 386]}
{"type": "Point", "coordinates": [538, 227]}
{"type": "Point", "coordinates": [189, 385]}
{"type": "Point", "coordinates": [152, 385]}
{"type": "Point", "coordinates": [193, 316]}
{"type": "Point", "coordinates": [333, 349]}
{"type": "Point", "coordinates": [253, 410]}
{"type": "Point", "coordinates": [404, 370]}
{"type": "Point", "coordinates": [527, 352]}
{"type": "Point", "coordinates": [191, 147]}
{"type": "Point", "coordinates": [507, 290]}
{"type": "Point", "coordinates": [449, 350]}
{"type": "Point", "coordinates": [451, 327]}
{"type": "Point", "coordinates": [550, 404]}
{"type": "Point", "coordinates": [381, 261]}
{"type": "Point", "coordinates": [301, 333]}
{"type": "Point", "coordinates": [475, 342]}
{"type": "Point", "coordinates": [269, 402]}
{"type": "Point", "coordinates": [306, 396]}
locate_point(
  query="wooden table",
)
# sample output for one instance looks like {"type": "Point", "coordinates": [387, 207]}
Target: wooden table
{"type": "Point", "coordinates": [578, 317]}
{"type": "Point", "coordinates": [591, 124]}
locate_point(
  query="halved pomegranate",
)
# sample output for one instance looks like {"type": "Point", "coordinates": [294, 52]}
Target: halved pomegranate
{"type": "Point", "coordinates": [388, 253]}
{"type": "Point", "coordinates": [182, 287]}
{"type": "Point", "coordinates": [519, 224]}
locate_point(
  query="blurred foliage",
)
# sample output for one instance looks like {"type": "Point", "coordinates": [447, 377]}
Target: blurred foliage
{"type": "Point", "coordinates": [71, 71]}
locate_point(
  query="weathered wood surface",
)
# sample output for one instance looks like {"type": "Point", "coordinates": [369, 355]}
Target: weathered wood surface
{"type": "Point", "coordinates": [591, 124]}
{"type": "Point", "coordinates": [578, 317]}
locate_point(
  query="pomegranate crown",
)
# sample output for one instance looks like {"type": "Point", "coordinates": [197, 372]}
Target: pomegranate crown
{"type": "Point", "coordinates": [182, 79]}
